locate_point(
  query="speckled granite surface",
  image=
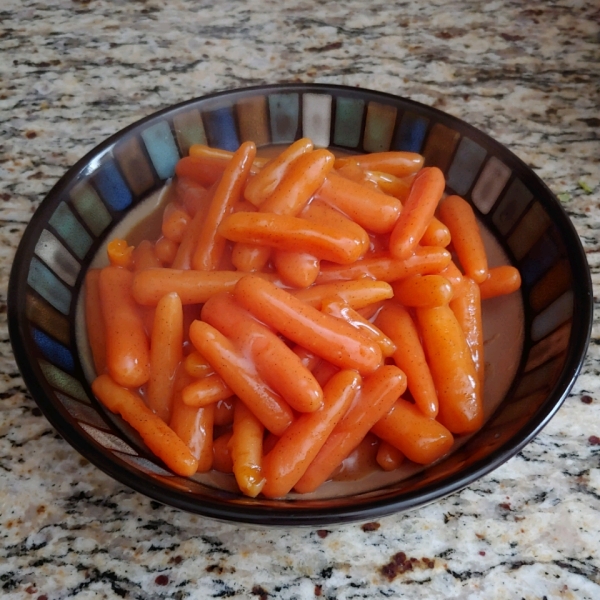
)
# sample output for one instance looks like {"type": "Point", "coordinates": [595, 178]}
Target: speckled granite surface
{"type": "Point", "coordinates": [72, 73]}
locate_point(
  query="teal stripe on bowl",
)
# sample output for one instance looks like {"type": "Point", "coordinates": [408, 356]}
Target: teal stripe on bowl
{"type": "Point", "coordinates": [90, 208]}
{"type": "Point", "coordinates": [162, 149]}
{"type": "Point", "coordinates": [71, 230]}
{"type": "Point", "coordinates": [284, 110]}
{"type": "Point", "coordinates": [550, 318]}
{"type": "Point", "coordinates": [468, 159]}
{"type": "Point", "coordinates": [348, 122]}
{"type": "Point", "coordinates": [63, 382]}
{"type": "Point", "coordinates": [57, 257]}
{"type": "Point", "coordinates": [316, 118]}
{"type": "Point", "coordinates": [49, 286]}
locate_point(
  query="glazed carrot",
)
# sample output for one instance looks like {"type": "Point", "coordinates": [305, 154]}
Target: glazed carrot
{"type": "Point", "coordinates": [144, 256]}
{"type": "Point", "coordinates": [224, 412]}
{"type": "Point", "coordinates": [353, 171]}
{"type": "Point", "coordinates": [300, 443]}
{"type": "Point", "coordinates": [395, 321]}
{"type": "Point", "coordinates": [296, 269]}
{"type": "Point", "coordinates": [119, 253]}
{"type": "Point", "coordinates": [376, 397]}
{"type": "Point", "coordinates": [241, 377]}
{"type": "Point", "coordinates": [166, 251]}
{"type": "Point", "coordinates": [419, 438]}
{"type": "Point", "coordinates": [436, 234]}
{"type": "Point", "coordinates": [274, 361]}
{"type": "Point", "coordinates": [263, 184]}
{"type": "Point", "coordinates": [399, 187]}
{"type": "Point", "coordinates": [417, 212]}
{"type": "Point", "coordinates": [330, 338]}
{"type": "Point", "coordinates": [193, 287]}
{"type": "Point", "coordinates": [372, 210]}
{"type": "Point", "coordinates": [423, 290]}
{"type": "Point", "coordinates": [296, 234]}
{"type": "Point", "coordinates": [250, 257]}
{"type": "Point", "coordinates": [466, 306]}
{"type": "Point", "coordinates": [159, 437]}
{"type": "Point", "coordinates": [196, 365]}
{"type": "Point", "coordinates": [357, 294]}
{"type": "Point", "coordinates": [388, 456]}
{"type": "Point", "coordinates": [193, 425]}
{"type": "Point", "coordinates": [500, 281]}
{"type": "Point", "coordinates": [222, 460]}
{"type": "Point", "coordinates": [453, 275]}
{"type": "Point", "coordinates": [205, 391]}
{"type": "Point", "coordinates": [127, 346]}
{"type": "Point", "coordinates": [210, 244]}
{"type": "Point", "coordinates": [189, 195]}
{"type": "Point", "coordinates": [203, 151]}
{"type": "Point", "coordinates": [165, 354]}
{"type": "Point", "coordinates": [324, 371]}
{"type": "Point", "coordinates": [309, 359]}
{"type": "Point", "coordinates": [452, 369]}
{"type": "Point", "coordinates": [302, 179]}
{"type": "Point", "coordinates": [94, 320]}
{"type": "Point", "coordinates": [175, 222]}
{"type": "Point", "coordinates": [399, 164]}
{"type": "Point", "coordinates": [246, 446]}
{"type": "Point", "coordinates": [387, 268]}
{"type": "Point", "coordinates": [457, 214]}
{"type": "Point", "coordinates": [341, 310]}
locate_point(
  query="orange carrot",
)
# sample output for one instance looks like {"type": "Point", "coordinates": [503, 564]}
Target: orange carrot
{"type": "Point", "coordinates": [423, 290]}
{"type": "Point", "coordinates": [144, 256]}
{"type": "Point", "coordinates": [127, 346]}
{"type": "Point", "coordinates": [399, 164]}
{"type": "Point", "coordinates": [224, 412]}
{"type": "Point", "coordinates": [166, 251]}
{"type": "Point", "coordinates": [418, 210]}
{"type": "Point", "coordinates": [196, 365]}
{"type": "Point", "coordinates": [222, 460]}
{"type": "Point", "coordinates": [330, 338]}
{"type": "Point", "coordinates": [436, 234]}
{"type": "Point", "coordinates": [296, 269]}
{"type": "Point", "coordinates": [452, 369]}
{"type": "Point", "coordinates": [94, 320]}
{"type": "Point", "coordinates": [165, 354]}
{"type": "Point", "coordinates": [395, 321]}
{"type": "Point", "coordinates": [210, 244]}
{"type": "Point", "coordinates": [457, 214]}
{"type": "Point", "coordinates": [159, 437]}
{"type": "Point", "coordinates": [376, 397]}
{"type": "Point", "coordinates": [500, 281]}
{"type": "Point", "coordinates": [120, 253]}
{"type": "Point", "coordinates": [388, 456]}
{"type": "Point", "coordinates": [245, 446]}
{"type": "Point", "coordinates": [241, 377]}
{"type": "Point", "coordinates": [300, 443]}
{"type": "Point", "coordinates": [205, 391]}
{"type": "Point", "coordinates": [250, 257]}
{"type": "Point", "coordinates": [175, 222]}
{"type": "Point", "coordinates": [357, 294]}
{"type": "Point", "coordinates": [419, 438]}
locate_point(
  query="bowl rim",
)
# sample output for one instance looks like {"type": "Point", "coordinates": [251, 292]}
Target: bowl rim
{"type": "Point", "coordinates": [313, 514]}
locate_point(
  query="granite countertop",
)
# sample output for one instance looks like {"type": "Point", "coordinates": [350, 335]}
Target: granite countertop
{"type": "Point", "coordinates": [74, 72]}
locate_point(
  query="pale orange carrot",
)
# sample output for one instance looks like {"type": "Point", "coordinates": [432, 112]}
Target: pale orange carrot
{"type": "Point", "coordinates": [500, 281]}
{"type": "Point", "coordinates": [423, 290]}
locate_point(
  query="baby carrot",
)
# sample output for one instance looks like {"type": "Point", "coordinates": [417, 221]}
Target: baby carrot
{"type": "Point", "coordinates": [376, 397]}
{"type": "Point", "coordinates": [159, 437]}
{"type": "Point", "coordinates": [296, 234]}
{"type": "Point", "coordinates": [357, 293]}
{"type": "Point", "coordinates": [296, 269]}
{"type": "Point", "coordinates": [175, 222]}
{"type": "Point", "coordinates": [94, 320]}
{"type": "Point", "coordinates": [369, 208]}
{"type": "Point", "coordinates": [238, 373]}
{"type": "Point", "coordinates": [189, 195]}
{"type": "Point", "coordinates": [457, 214]}
{"type": "Point", "coordinates": [302, 179]}
{"type": "Point", "coordinates": [417, 212]}
{"type": "Point", "coordinates": [275, 362]}
{"type": "Point", "coordinates": [453, 275]}
{"type": "Point", "coordinates": [396, 322]}
{"type": "Point", "coordinates": [193, 425]}
{"type": "Point", "coordinates": [250, 257]}
{"type": "Point", "coordinates": [144, 256]}
{"type": "Point", "coordinates": [399, 187]}
{"type": "Point", "coordinates": [263, 184]}
{"type": "Point", "coordinates": [466, 305]}
{"type": "Point", "coordinates": [195, 365]}
{"type": "Point", "coordinates": [330, 338]}
{"type": "Point", "coordinates": [300, 443]}
{"type": "Point", "coordinates": [388, 456]}
{"type": "Point", "coordinates": [385, 267]}
{"type": "Point", "coordinates": [166, 345]}
{"type": "Point", "coordinates": [399, 164]}
{"type": "Point", "coordinates": [222, 460]}
{"type": "Point", "coordinates": [436, 234]}
{"type": "Point", "coordinates": [127, 346]}
{"type": "Point", "coordinates": [205, 391]}
{"type": "Point", "coordinates": [500, 281]}
{"type": "Point", "coordinates": [224, 412]}
{"type": "Point", "coordinates": [120, 253]}
{"type": "Point", "coordinates": [210, 245]}
{"type": "Point", "coordinates": [165, 251]}
{"type": "Point", "coordinates": [246, 446]}
{"type": "Point", "coordinates": [423, 290]}
{"type": "Point", "coordinates": [419, 438]}
{"type": "Point", "coordinates": [452, 369]}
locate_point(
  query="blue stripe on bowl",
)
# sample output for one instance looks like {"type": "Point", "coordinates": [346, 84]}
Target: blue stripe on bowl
{"type": "Point", "coordinates": [539, 259]}
{"type": "Point", "coordinates": [221, 129]}
{"type": "Point", "coordinates": [49, 286]}
{"type": "Point", "coordinates": [161, 148]}
{"type": "Point", "coordinates": [53, 351]}
{"type": "Point", "coordinates": [410, 135]}
{"type": "Point", "coordinates": [112, 187]}
{"type": "Point", "coordinates": [71, 230]}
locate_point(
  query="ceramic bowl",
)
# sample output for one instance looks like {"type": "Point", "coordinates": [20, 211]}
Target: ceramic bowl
{"type": "Point", "coordinates": [548, 321]}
